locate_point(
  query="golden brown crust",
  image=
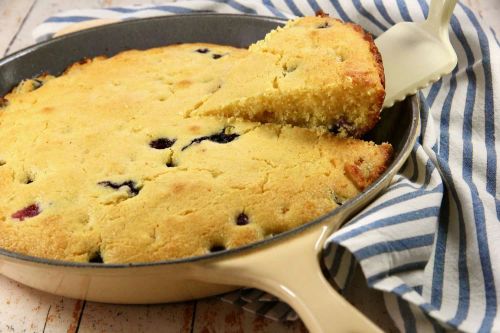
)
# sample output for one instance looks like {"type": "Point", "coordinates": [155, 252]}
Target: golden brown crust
{"type": "Point", "coordinates": [380, 69]}
{"type": "Point", "coordinates": [363, 173]}
{"type": "Point", "coordinates": [3, 102]}
{"type": "Point", "coordinates": [373, 49]}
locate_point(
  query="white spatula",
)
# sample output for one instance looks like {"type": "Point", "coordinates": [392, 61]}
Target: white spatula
{"type": "Point", "coordinates": [417, 54]}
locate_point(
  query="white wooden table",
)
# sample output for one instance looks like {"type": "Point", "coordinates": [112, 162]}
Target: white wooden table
{"type": "Point", "coordinates": [23, 309]}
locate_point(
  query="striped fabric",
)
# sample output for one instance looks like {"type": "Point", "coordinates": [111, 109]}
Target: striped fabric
{"type": "Point", "coordinates": [431, 241]}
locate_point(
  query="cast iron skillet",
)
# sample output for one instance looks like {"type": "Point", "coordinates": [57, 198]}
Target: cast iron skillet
{"type": "Point", "coordinates": [287, 265]}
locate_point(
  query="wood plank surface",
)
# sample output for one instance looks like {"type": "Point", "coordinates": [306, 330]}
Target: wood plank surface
{"type": "Point", "coordinates": [214, 316]}
{"type": "Point", "coordinates": [13, 15]}
{"type": "Point", "coordinates": [20, 17]}
{"type": "Point", "coordinates": [137, 318]}
{"type": "Point", "coordinates": [23, 309]}
{"type": "Point", "coordinates": [42, 9]}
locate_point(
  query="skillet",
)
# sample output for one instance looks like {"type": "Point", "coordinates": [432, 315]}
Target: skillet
{"type": "Point", "coordinates": [287, 265]}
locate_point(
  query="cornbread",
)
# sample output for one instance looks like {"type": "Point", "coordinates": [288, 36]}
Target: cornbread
{"type": "Point", "coordinates": [108, 162]}
{"type": "Point", "coordinates": [315, 71]}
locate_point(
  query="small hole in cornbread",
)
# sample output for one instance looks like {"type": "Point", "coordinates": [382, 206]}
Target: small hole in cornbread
{"type": "Point", "coordinates": [338, 199]}
{"type": "Point", "coordinates": [217, 248]}
{"type": "Point", "coordinates": [272, 233]}
{"type": "Point", "coordinates": [289, 67]}
{"type": "Point", "coordinates": [37, 84]}
{"type": "Point", "coordinates": [96, 258]}
{"type": "Point", "coordinates": [285, 209]}
{"type": "Point", "coordinates": [28, 178]}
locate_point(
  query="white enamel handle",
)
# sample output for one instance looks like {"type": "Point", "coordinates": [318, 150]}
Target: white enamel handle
{"type": "Point", "coordinates": [439, 16]}
{"type": "Point", "coordinates": [291, 271]}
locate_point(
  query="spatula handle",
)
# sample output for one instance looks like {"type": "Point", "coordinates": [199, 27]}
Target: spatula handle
{"type": "Point", "coordinates": [440, 14]}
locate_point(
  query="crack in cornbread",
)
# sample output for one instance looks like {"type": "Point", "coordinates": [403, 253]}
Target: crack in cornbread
{"type": "Point", "coordinates": [101, 164]}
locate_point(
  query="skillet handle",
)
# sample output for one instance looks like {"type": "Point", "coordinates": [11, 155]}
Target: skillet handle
{"type": "Point", "coordinates": [291, 271]}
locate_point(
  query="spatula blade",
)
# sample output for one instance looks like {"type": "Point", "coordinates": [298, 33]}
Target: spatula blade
{"type": "Point", "coordinates": [413, 58]}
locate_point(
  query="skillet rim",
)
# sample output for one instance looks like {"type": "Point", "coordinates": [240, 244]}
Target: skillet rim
{"type": "Point", "coordinates": [351, 204]}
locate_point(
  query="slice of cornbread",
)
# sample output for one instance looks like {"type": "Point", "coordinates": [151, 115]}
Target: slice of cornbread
{"type": "Point", "coordinates": [315, 71]}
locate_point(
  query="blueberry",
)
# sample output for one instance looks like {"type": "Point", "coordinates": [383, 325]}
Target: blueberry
{"type": "Point", "coordinates": [335, 129]}
{"type": "Point", "coordinates": [202, 50]}
{"type": "Point", "coordinates": [242, 219]}
{"type": "Point", "coordinates": [220, 137]}
{"type": "Point", "coordinates": [216, 56]}
{"type": "Point", "coordinates": [162, 143]}
{"type": "Point", "coordinates": [133, 188]}
{"type": "Point", "coordinates": [27, 212]}
{"type": "Point", "coordinates": [223, 138]}
{"type": "Point", "coordinates": [342, 124]}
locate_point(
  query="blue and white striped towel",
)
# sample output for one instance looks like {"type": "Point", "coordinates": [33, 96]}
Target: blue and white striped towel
{"type": "Point", "coordinates": [431, 241]}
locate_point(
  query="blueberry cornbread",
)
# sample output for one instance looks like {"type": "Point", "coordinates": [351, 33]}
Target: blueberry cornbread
{"type": "Point", "coordinates": [315, 71]}
{"type": "Point", "coordinates": [101, 164]}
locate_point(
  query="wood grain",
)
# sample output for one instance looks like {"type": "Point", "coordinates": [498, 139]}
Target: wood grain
{"type": "Point", "coordinates": [137, 318]}
{"type": "Point", "coordinates": [43, 9]}
{"type": "Point", "coordinates": [12, 16]}
{"type": "Point", "coordinates": [25, 309]}
{"type": "Point", "coordinates": [214, 316]}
